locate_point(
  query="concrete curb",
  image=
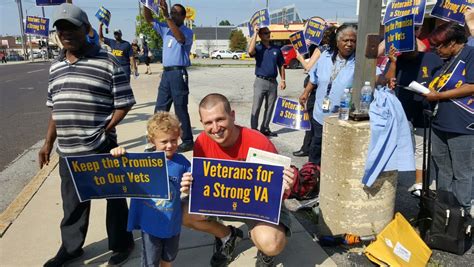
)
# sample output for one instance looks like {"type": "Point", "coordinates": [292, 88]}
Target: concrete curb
{"type": "Point", "coordinates": [16, 207]}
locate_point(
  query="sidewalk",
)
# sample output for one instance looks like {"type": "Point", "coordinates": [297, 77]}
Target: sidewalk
{"type": "Point", "coordinates": [34, 236]}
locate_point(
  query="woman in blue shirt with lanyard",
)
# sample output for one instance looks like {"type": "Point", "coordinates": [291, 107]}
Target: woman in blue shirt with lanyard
{"type": "Point", "coordinates": [333, 72]}
{"type": "Point", "coordinates": [453, 122]}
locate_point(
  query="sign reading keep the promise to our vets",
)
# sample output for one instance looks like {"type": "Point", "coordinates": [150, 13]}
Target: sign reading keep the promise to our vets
{"type": "Point", "coordinates": [236, 189]}
{"type": "Point", "coordinates": [299, 42]}
{"type": "Point", "coordinates": [451, 9]}
{"type": "Point", "coordinates": [400, 32]}
{"type": "Point", "coordinates": [37, 26]}
{"type": "Point", "coordinates": [103, 15]}
{"type": "Point", "coordinates": [260, 18]}
{"type": "Point", "coordinates": [400, 8]}
{"type": "Point", "coordinates": [49, 2]}
{"type": "Point", "coordinates": [314, 30]}
{"type": "Point", "coordinates": [138, 175]}
{"type": "Point", "coordinates": [291, 114]}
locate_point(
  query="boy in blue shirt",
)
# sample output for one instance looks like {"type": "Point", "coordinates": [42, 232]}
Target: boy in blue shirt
{"type": "Point", "coordinates": [160, 220]}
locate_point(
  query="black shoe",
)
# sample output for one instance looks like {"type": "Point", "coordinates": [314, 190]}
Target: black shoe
{"type": "Point", "coordinates": [62, 258]}
{"type": "Point", "coordinates": [223, 254]}
{"type": "Point", "coordinates": [267, 132]}
{"type": "Point", "coordinates": [300, 153]}
{"type": "Point", "coordinates": [264, 260]}
{"type": "Point", "coordinates": [183, 147]}
{"type": "Point", "coordinates": [119, 258]}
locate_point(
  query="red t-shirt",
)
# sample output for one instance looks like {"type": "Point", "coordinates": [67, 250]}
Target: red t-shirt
{"type": "Point", "coordinates": [205, 147]}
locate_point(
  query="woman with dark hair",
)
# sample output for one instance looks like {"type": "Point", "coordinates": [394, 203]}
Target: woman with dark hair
{"type": "Point", "coordinates": [453, 123]}
{"type": "Point", "coordinates": [332, 73]}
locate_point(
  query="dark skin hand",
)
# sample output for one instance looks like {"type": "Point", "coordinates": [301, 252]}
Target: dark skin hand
{"type": "Point", "coordinates": [174, 21]}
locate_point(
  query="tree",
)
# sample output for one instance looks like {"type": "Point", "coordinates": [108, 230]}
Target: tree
{"type": "Point", "coordinates": [225, 23]}
{"type": "Point", "coordinates": [153, 38]}
{"type": "Point", "coordinates": [237, 40]}
{"type": "Point", "coordinates": [208, 45]}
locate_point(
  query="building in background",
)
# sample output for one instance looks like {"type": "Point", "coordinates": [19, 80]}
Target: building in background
{"type": "Point", "coordinates": [208, 39]}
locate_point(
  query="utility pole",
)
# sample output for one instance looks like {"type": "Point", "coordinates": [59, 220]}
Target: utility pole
{"type": "Point", "coordinates": [30, 44]}
{"type": "Point", "coordinates": [22, 26]}
{"type": "Point", "coordinates": [217, 47]}
{"type": "Point", "coordinates": [47, 38]}
{"type": "Point", "coordinates": [267, 4]}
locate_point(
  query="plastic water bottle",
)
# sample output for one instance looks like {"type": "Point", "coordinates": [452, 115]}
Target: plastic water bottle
{"type": "Point", "coordinates": [344, 105]}
{"type": "Point", "coordinates": [365, 97]}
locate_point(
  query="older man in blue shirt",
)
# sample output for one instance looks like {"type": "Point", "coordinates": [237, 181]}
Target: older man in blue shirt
{"type": "Point", "coordinates": [177, 42]}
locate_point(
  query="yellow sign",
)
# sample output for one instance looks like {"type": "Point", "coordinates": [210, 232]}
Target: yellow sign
{"type": "Point", "coordinates": [190, 13]}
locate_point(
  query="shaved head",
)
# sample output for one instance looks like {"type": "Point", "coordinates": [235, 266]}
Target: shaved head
{"type": "Point", "coordinates": [211, 100]}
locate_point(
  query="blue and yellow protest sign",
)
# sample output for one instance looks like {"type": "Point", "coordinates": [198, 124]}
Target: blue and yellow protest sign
{"type": "Point", "coordinates": [103, 15]}
{"type": "Point", "coordinates": [452, 81]}
{"type": "Point", "coordinates": [314, 30]}
{"type": "Point", "coordinates": [37, 26]}
{"type": "Point", "coordinates": [299, 42]}
{"type": "Point", "coordinates": [260, 18]}
{"type": "Point", "coordinates": [236, 189]}
{"type": "Point", "coordinates": [291, 114]}
{"type": "Point", "coordinates": [451, 9]}
{"type": "Point", "coordinates": [49, 2]}
{"type": "Point", "coordinates": [138, 175]}
{"type": "Point", "coordinates": [400, 32]}
{"type": "Point", "coordinates": [400, 8]}
{"type": "Point", "coordinates": [153, 5]}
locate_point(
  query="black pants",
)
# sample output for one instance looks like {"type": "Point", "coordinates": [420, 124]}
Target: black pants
{"type": "Point", "coordinates": [308, 135]}
{"type": "Point", "coordinates": [316, 142]}
{"type": "Point", "coordinates": [76, 218]}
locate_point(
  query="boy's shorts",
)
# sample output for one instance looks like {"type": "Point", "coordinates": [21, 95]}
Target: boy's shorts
{"type": "Point", "coordinates": [155, 249]}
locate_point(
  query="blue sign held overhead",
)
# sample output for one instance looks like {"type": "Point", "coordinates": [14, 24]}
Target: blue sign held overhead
{"type": "Point", "coordinates": [49, 2]}
{"type": "Point", "coordinates": [314, 30]}
{"type": "Point", "coordinates": [138, 175]}
{"type": "Point", "coordinates": [291, 114]}
{"type": "Point", "coordinates": [299, 42]}
{"type": "Point", "coordinates": [103, 15]}
{"type": "Point", "coordinates": [37, 26]}
{"type": "Point", "coordinates": [400, 8]}
{"type": "Point", "coordinates": [400, 33]}
{"type": "Point", "coordinates": [153, 5]}
{"type": "Point", "coordinates": [236, 189]}
{"type": "Point", "coordinates": [451, 10]}
{"type": "Point", "coordinates": [260, 18]}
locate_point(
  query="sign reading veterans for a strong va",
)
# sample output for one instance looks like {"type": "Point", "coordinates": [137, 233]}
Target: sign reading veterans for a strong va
{"type": "Point", "coordinates": [314, 30]}
{"type": "Point", "coordinates": [103, 15]}
{"type": "Point", "coordinates": [37, 26]}
{"type": "Point", "coordinates": [236, 189]}
{"type": "Point", "coordinates": [49, 2]}
{"type": "Point", "coordinates": [451, 9]}
{"type": "Point", "coordinates": [400, 8]}
{"type": "Point", "coordinates": [299, 42]}
{"type": "Point", "coordinates": [153, 5]}
{"type": "Point", "coordinates": [400, 32]}
{"type": "Point", "coordinates": [260, 18]}
{"type": "Point", "coordinates": [291, 114]}
{"type": "Point", "coordinates": [138, 175]}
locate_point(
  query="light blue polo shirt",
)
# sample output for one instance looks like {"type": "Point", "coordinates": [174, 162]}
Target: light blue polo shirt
{"type": "Point", "coordinates": [174, 53]}
{"type": "Point", "coordinates": [320, 75]}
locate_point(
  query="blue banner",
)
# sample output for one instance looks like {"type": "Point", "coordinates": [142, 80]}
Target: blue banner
{"type": "Point", "coordinates": [400, 8]}
{"type": "Point", "coordinates": [291, 114]}
{"type": "Point", "coordinates": [37, 26]}
{"type": "Point", "coordinates": [400, 32]}
{"type": "Point", "coordinates": [153, 5]}
{"type": "Point", "coordinates": [236, 189]}
{"type": "Point", "coordinates": [299, 42]}
{"type": "Point", "coordinates": [138, 175]}
{"type": "Point", "coordinates": [451, 10]}
{"type": "Point", "coordinates": [49, 2]}
{"type": "Point", "coordinates": [260, 18]}
{"type": "Point", "coordinates": [103, 15]}
{"type": "Point", "coordinates": [314, 31]}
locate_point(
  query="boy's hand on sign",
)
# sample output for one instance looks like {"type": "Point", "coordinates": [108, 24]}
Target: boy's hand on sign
{"type": "Point", "coordinates": [288, 178]}
{"type": "Point", "coordinates": [118, 151]}
{"type": "Point", "coordinates": [186, 182]}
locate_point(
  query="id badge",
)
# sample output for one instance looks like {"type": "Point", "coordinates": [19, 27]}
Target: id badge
{"type": "Point", "coordinates": [326, 104]}
{"type": "Point", "coordinates": [170, 43]}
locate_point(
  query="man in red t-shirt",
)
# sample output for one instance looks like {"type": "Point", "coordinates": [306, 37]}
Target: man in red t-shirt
{"type": "Point", "coordinates": [222, 139]}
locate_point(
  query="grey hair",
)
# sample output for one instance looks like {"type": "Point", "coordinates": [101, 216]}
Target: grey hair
{"type": "Point", "coordinates": [347, 29]}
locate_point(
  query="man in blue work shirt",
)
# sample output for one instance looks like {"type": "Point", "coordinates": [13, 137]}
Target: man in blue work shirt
{"type": "Point", "coordinates": [177, 42]}
{"type": "Point", "coordinates": [121, 49]}
{"type": "Point", "coordinates": [269, 60]}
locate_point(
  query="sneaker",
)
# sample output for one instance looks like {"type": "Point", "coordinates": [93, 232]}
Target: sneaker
{"type": "Point", "coordinates": [415, 189]}
{"type": "Point", "coordinates": [119, 258]}
{"type": "Point", "coordinates": [183, 147]}
{"type": "Point", "coordinates": [62, 258]}
{"type": "Point", "coordinates": [223, 254]}
{"type": "Point", "coordinates": [264, 260]}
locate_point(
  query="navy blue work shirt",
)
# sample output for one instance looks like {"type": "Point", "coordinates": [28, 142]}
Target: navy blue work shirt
{"type": "Point", "coordinates": [121, 50]}
{"type": "Point", "coordinates": [268, 60]}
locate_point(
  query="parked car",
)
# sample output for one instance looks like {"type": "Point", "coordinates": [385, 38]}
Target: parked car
{"type": "Point", "coordinates": [220, 54]}
{"type": "Point", "coordinates": [289, 54]}
{"type": "Point", "coordinates": [201, 54]}
{"type": "Point", "coordinates": [238, 54]}
{"type": "Point", "coordinates": [15, 57]}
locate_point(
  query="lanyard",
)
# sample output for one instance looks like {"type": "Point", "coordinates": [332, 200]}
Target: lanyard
{"type": "Point", "coordinates": [338, 66]}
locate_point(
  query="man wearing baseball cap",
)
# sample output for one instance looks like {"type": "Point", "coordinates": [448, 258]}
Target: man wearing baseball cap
{"type": "Point", "coordinates": [83, 118]}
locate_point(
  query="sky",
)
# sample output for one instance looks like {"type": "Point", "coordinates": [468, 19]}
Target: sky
{"type": "Point", "coordinates": [207, 11]}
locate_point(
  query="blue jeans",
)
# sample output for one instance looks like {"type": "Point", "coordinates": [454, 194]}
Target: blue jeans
{"type": "Point", "coordinates": [174, 89]}
{"type": "Point", "coordinates": [453, 164]}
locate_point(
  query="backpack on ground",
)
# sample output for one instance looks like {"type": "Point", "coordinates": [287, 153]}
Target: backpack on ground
{"type": "Point", "coordinates": [306, 184]}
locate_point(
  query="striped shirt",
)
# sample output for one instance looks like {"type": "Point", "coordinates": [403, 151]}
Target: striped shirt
{"type": "Point", "coordinates": [83, 97]}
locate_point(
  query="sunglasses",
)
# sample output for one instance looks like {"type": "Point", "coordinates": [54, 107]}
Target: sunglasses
{"type": "Point", "coordinates": [265, 33]}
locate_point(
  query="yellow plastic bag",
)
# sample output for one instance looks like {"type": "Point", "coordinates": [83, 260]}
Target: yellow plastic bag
{"type": "Point", "coordinates": [398, 245]}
